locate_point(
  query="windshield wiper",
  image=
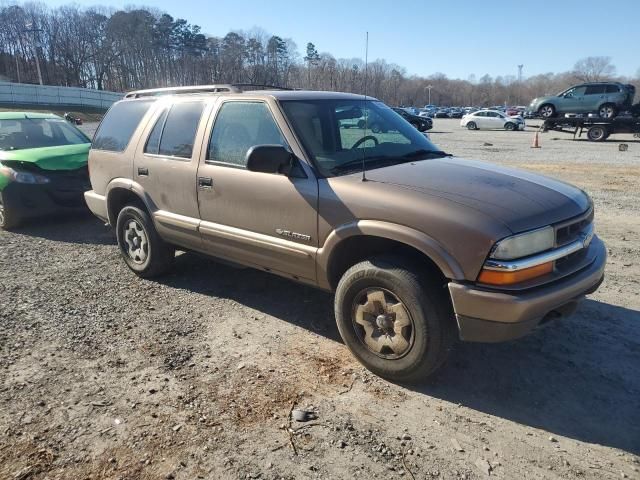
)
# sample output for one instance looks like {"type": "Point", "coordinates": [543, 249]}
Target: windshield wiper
{"type": "Point", "coordinates": [423, 154]}
{"type": "Point", "coordinates": [354, 164]}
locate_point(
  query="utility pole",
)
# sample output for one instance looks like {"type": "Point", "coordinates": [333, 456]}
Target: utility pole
{"type": "Point", "coordinates": [17, 66]}
{"type": "Point", "coordinates": [36, 45]}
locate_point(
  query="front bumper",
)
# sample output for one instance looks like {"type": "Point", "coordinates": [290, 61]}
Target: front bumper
{"type": "Point", "coordinates": [485, 315]}
{"type": "Point", "coordinates": [64, 193]}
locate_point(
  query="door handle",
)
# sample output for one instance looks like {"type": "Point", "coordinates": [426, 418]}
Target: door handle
{"type": "Point", "coordinates": [143, 171]}
{"type": "Point", "coordinates": [205, 183]}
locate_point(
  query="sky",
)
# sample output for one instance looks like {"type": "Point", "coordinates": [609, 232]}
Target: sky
{"type": "Point", "coordinates": [456, 37]}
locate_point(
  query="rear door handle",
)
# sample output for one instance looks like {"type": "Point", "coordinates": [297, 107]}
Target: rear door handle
{"type": "Point", "coordinates": [205, 183]}
{"type": "Point", "coordinates": [143, 171]}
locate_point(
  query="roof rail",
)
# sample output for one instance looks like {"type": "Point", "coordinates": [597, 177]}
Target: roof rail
{"type": "Point", "coordinates": [154, 92]}
{"type": "Point", "coordinates": [225, 87]}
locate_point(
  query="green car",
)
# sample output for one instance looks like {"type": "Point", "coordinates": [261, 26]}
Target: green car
{"type": "Point", "coordinates": [43, 166]}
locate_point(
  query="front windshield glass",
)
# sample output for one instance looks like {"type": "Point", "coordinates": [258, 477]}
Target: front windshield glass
{"type": "Point", "coordinates": [339, 134]}
{"type": "Point", "coordinates": [24, 133]}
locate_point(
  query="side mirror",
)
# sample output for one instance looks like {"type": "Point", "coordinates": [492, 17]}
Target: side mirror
{"type": "Point", "coordinates": [272, 159]}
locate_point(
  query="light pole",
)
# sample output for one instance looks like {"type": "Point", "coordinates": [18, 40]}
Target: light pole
{"type": "Point", "coordinates": [36, 44]}
{"type": "Point", "coordinates": [429, 87]}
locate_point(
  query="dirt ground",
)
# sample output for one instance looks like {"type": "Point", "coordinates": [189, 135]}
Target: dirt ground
{"type": "Point", "coordinates": [107, 376]}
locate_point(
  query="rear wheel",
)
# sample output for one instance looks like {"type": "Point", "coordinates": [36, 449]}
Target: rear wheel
{"type": "Point", "coordinates": [142, 249]}
{"type": "Point", "coordinates": [547, 111]}
{"type": "Point", "coordinates": [597, 133]}
{"type": "Point", "coordinates": [394, 320]}
{"type": "Point", "coordinates": [607, 110]}
{"type": "Point", "coordinates": [472, 126]}
{"type": "Point", "coordinates": [8, 217]}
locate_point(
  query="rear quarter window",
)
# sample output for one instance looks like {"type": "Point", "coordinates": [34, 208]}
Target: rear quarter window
{"type": "Point", "coordinates": [119, 124]}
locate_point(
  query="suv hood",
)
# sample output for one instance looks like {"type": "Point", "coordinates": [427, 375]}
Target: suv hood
{"type": "Point", "coordinates": [64, 157]}
{"type": "Point", "coordinates": [519, 200]}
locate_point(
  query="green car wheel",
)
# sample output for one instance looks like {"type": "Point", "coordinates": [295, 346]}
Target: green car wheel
{"type": "Point", "coordinates": [8, 218]}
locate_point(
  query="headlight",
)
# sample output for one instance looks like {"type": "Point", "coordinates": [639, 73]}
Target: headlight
{"type": "Point", "coordinates": [524, 244]}
{"type": "Point", "coordinates": [23, 177]}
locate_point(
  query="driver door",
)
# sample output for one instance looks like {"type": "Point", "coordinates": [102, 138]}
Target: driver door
{"type": "Point", "coordinates": [573, 100]}
{"type": "Point", "coordinates": [264, 220]}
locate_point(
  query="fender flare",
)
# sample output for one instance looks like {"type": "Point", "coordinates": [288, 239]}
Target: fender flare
{"type": "Point", "coordinates": [130, 185]}
{"type": "Point", "coordinates": [391, 231]}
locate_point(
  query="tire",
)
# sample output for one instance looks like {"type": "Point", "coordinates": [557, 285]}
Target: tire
{"type": "Point", "coordinates": [608, 110]}
{"type": "Point", "coordinates": [8, 217]}
{"type": "Point", "coordinates": [509, 126]}
{"type": "Point", "coordinates": [142, 249]}
{"type": "Point", "coordinates": [472, 126]}
{"type": "Point", "coordinates": [547, 111]}
{"type": "Point", "coordinates": [415, 125]}
{"type": "Point", "coordinates": [392, 286]}
{"type": "Point", "coordinates": [375, 128]}
{"type": "Point", "coordinates": [597, 133]}
{"type": "Point", "coordinates": [361, 124]}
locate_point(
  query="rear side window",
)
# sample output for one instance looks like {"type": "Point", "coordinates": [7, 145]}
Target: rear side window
{"type": "Point", "coordinates": [153, 143]}
{"type": "Point", "coordinates": [613, 89]}
{"type": "Point", "coordinates": [118, 125]}
{"type": "Point", "coordinates": [240, 126]}
{"type": "Point", "coordinates": [180, 129]}
{"type": "Point", "coordinates": [595, 89]}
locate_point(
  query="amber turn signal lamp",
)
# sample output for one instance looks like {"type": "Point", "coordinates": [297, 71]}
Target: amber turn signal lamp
{"type": "Point", "coordinates": [494, 277]}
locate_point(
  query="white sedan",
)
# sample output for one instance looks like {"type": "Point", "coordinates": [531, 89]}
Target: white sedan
{"type": "Point", "coordinates": [491, 119]}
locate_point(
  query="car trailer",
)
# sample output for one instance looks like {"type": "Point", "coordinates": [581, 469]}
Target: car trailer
{"type": "Point", "coordinates": [598, 129]}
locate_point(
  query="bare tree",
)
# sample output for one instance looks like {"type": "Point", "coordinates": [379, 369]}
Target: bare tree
{"type": "Point", "coordinates": [594, 69]}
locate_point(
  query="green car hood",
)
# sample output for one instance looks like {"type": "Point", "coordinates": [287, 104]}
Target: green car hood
{"type": "Point", "coordinates": [64, 157]}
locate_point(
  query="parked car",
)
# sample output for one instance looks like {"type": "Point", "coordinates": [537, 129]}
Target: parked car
{"type": "Point", "coordinates": [442, 113]}
{"type": "Point", "coordinates": [72, 119]}
{"type": "Point", "coordinates": [606, 99]}
{"type": "Point", "coordinates": [455, 113]}
{"type": "Point", "coordinates": [43, 166]}
{"type": "Point", "coordinates": [421, 123]}
{"type": "Point", "coordinates": [491, 119]}
{"type": "Point", "coordinates": [430, 247]}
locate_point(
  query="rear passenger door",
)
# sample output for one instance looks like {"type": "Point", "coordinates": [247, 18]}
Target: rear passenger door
{"type": "Point", "coordinates": [594, 96]}
{"type": "Point", "coordinates": [261, 219]}
{"type": "Point", "coordinates": [165, 167]}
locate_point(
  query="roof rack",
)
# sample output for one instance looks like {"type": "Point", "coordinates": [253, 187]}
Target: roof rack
{"type": "Point", "coordinates": [221, 88]}
{"type": "Point", "coordinates": [155, 92]}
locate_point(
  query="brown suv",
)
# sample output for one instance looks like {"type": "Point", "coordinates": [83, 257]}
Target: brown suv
{"type": "Point", "coordinates": [418, 246]}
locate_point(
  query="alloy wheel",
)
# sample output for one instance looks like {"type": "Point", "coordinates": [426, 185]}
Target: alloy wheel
{"type": "Point", "coordinates": [382, 323]}
{"type": "Point", "coordinates": [137, 244]}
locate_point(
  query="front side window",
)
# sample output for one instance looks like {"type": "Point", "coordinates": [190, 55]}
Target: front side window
{"type": "Point", "coordinates": [179, 130]}
{"type": "Point", "coordinates": [240, 126]}
{"type": "Point", "coordinates": [119, 124]}
{"type": "Point", "coordinates": [377, 136]}
{"type": "Point", "coordinates": [24, 133]}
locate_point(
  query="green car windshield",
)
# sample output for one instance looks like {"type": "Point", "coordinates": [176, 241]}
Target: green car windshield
{"type": "Point", "coordinates": [25, 133]}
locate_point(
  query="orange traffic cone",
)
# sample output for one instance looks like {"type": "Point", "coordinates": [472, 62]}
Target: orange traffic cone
{"type": "Point", "coordinates": [536, 142]}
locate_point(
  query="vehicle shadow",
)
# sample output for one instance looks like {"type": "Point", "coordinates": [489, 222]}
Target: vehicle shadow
{"type": "Point", "coordinates": [576, 377]}
{"type": "Point", "coordinates": [292, 302]}
{"type": "Point", "coordinates": [80, 228]}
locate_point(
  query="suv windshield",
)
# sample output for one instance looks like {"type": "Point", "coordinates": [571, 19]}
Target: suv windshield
{"type": "Point", "coordinates": [24, 133]}
{"type": "Point", "coordinates": [341, 135]}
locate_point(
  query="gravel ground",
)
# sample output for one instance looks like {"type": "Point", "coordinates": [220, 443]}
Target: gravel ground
{"type": "Point", "coordinates": [107, 376]}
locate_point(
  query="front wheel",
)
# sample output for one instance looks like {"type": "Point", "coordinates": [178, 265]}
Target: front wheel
{"type": "Point", "coordinates": [547, 111]}
{"type": "Point", "coordinates": [141, 247]}
{"type": "Point", "coordinates": [509, 126]}
{"type": "Point", "coordinates": [8, 217]}
{"type": "Point", "coordinates": [395, 321]}
{"type": "Point", "coordinates": [472, 126]}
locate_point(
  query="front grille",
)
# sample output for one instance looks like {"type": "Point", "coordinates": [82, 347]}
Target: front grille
{"type": "Point", "coordinates": [567, 233]}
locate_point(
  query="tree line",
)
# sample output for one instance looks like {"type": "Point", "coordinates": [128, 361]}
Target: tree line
{"type": "Point", "coordinates": [135, 48]}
